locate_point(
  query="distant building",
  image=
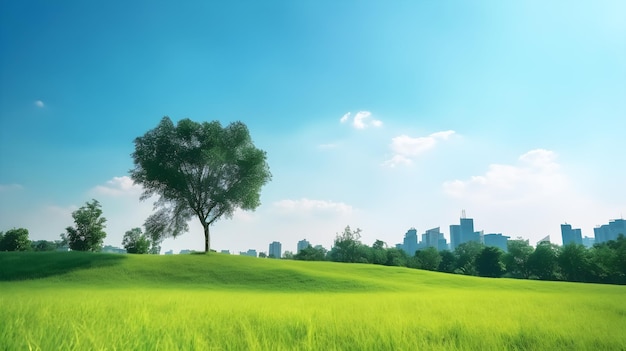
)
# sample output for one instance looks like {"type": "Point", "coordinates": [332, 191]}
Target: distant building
{"type": "Point", "coordinates": [609, 231]}
{"type": "Point", "coordinates": [410, 242]}
{"type": "Point", "coordinates": [170, 252]}
{"type": "Point", "coordinates": [496, 240]}
{"type": "Point", "coordinates": [185, 252]}
{"type": "Point", "coordinates": [570, 235]}
{"type": "Point", "coordinates": [588, 242]}
{"type": "Point", "coordinates": [303, 244]}
{"type": "Point", "coordinates": [433, 238]}
{"type": "Point", "coordinates": [455, 236]}
{"type": "Point", "coordinates": [251, 253]}
{"type": "Point", "coordinates": [544, 240]}
{"type": "Point", "coordinates": [275, 250]}
{"type": "Point", "coordinates": [226, 252]}
{"type": "Point", "coordinates": [112, 249]}
{"type": "Point", "coordinates": [464, 232]}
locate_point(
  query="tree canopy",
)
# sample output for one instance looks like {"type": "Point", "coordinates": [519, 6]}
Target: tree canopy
{"type": "Point", "coordinates": [135, 242]}
{"type": "Point", "coordinates": [200, 170]}
{"type": "Point", "coordinates": [15, 240]}
{"type": "Point", "coordinates": [89, 231]}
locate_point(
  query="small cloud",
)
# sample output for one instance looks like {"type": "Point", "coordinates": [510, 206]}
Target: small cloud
{"type": "Point", "coordinates": [345, 118]}
{"type": "Point", "coordinates": [10, 187]}
{"type": "Point", "coordinates": [118, 186]}
{"type": "Point", "coordinates": [361, 120]}
{"type": "Point", "coordinates": [39, 104]}
{"type": "Point", "coordinates": [405, 147]}
{"type": "Point", "coordinates": [308, 206]}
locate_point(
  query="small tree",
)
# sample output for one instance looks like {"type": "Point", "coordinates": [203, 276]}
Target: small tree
{"type": "Point", "coordinates": [516, 258]}
{"type": "Point", "coordinates": [198, 170]}
{"type": "Point", "coordinates": [15, 240]}
{"type": "Point", "coordinates": [346, 246]}
{"type": "Point", "coordinates": [428, 259]}
{"type": "Point", "coordinates": [542, 263]}
{"type": "Point", "coordinates": [89, 231]}
{"type": "Point", "coordinates": [43, 245]}
{"type": "Point", "coordinates": [135, 242]}
{"type": "Point", "coordinates": [489, 262]}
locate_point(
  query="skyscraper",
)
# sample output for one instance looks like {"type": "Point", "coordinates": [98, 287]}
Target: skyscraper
{"type": "Point", "coordinates": [410, 242]}
{"type": "Point", "coordinates": [496, 240]}
{"type": "Point", "coordinates": [303, 244]}
{"type": "Point", "coordinates": [455, 236]}
{"type": "Point", "coordinates": [570, 235]}
{"type": "Point", "coordinates": [609, 231]}
{"type": "Point", "coordinates": [275, 250]}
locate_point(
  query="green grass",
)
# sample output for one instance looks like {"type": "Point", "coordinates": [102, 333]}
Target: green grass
{"type": "Point", "coordinates": [82, 301]}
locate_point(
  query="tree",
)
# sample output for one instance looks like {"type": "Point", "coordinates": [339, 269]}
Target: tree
{"type": "Point", "coordinates": [135, 242]}
{"type": "Point", "coordinates": [396, 257]}
{"type": "Point", "coordinates": [89, 231]}
{"type": "Point", "coordinates": [198, 170]}
{"type": "Point", "coordinates": [378, 252]}
{"type": "Point", "coordinates": [15, 240]}
{"type": "Point", "coordinates": [574, 261]}
{"type": "Point", "coordinates": [465, 255]}
{"type": "Point", "coordinates": [448, 262]}
{"type": "Point", "coordinates": [516, 258]}
{"type": "Point", "coordinates": [44, 245]}
{"type": "Point", "coordinates": [347, 247]}
{"type": "Point", "coordinates": [311, 253]}
{"type": "Point", "coordinates": [489, 262]}
{"type": "Point", "coordinates": [428, 259]}
{"type": "Point", "coordinates": [262, 255]}
{"type": "Point", "coordinates": [542, 263]}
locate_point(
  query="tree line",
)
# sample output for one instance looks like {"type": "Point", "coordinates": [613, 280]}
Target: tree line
{"type": "Point", "coordinates": [602, 263]}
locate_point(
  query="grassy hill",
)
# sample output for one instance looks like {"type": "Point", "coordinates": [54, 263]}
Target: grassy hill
{"type": "Point", "coordinates": [105, 301]}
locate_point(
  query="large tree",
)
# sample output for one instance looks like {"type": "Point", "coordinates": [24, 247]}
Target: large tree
{"type": "Point", "coordinates": [15, 240]}
{"type": "Point", "coordinates": [89, 231]}
{"type": "Point", "coordinates": [200, 170]}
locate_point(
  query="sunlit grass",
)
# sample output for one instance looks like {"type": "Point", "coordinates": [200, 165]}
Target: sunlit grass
{"type": "Point", "coordinates": [220, 302]}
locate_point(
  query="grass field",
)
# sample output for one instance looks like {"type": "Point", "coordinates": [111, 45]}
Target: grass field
{"type": "Point", "coordinates": [82, 301]}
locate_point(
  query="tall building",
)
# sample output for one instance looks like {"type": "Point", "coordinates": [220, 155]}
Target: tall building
{"type": "Point", "coordinates": [455, 236]}
{"type": "Point", "coordinates": [275, 250]}
{"type": "Point", "coordinates": [409, 244]}
{"type": "Point", "coordinates": [609, 231]}
{"type": "Point", "coordinates": [496, 240]}
{"type": "Point", "coordinates": [570, 235]}
{"type": "Point", "coordinates": [433, 238]}
{"type": "Point", "coordinates": [463, 233]}
{"type": "Point", "coordinates": [303, 244]}
{"type": "Point", "coordinates": [588, 242]}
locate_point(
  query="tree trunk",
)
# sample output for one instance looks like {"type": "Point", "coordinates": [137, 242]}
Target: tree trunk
{"type": "Point", "coordinates": [207, 237]}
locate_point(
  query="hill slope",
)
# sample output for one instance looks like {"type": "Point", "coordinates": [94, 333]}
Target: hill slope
{"type": "Point", "coordinates": [78, 301]}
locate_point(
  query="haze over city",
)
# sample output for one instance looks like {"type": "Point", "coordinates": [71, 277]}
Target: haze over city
{"type": "Point", "coordinates": [375, 115]}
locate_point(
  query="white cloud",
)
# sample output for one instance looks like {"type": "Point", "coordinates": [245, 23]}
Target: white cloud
{"type": "Point", "coordinates": [308, 206]}
{"type": "Point", "coordinates": [537, 175]}
{"type": "Point", "coordinates": [9, 187]}
{"type": "Point", "coordinates": [361, 120]}
{"type": "Point", "coordinates": [405, 147]}
{"type": "Point", "coordinates": [118, 186]}
{"type": "Point", "coordinates": [39, 104]}
{"type": "Point", "coordinates": [345, 118]}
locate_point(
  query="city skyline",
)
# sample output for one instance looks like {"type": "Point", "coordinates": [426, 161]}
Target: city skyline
{"type": "Point", "coordinates": [375, 115]}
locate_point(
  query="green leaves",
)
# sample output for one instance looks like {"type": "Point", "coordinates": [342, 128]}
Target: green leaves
{"type": "Point", "coordinates": [198, 169]}
{"type": "Point", "coordinates": [88, 233]}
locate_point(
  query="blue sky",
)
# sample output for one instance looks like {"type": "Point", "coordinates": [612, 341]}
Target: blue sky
{"type": "Point", "coordinates": [377, 115]}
